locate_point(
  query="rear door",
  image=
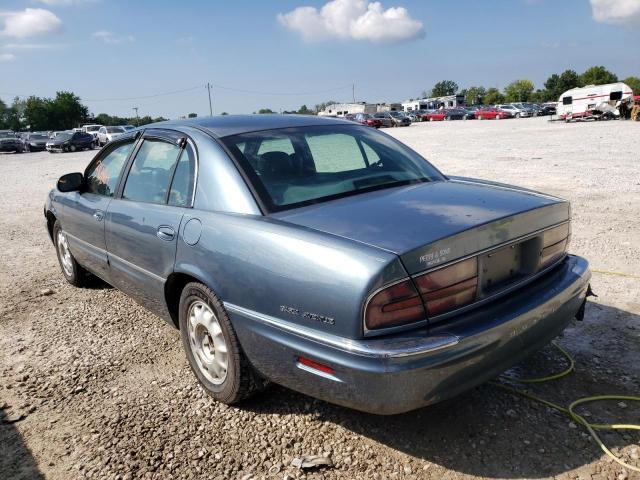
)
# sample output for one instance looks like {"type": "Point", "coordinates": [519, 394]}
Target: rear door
{"type": "Point", "coordinates": [143, 221]}
{"type": "Point", "coordinates": [83, 213]}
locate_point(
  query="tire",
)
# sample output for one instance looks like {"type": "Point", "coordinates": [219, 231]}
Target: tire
{"type": "Point", "coordinates": [72, 148]}
{"type": "Point", "coordinates": [27, 148]}
{"type": "Point", "coordinates": [206, 330]}
{"type": "Point", "coordinates": [497, 117]}
{"type": "Point", "coordinates": [71, 269]}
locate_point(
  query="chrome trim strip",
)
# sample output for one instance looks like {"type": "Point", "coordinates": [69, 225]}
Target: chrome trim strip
{"type": "Point", "coordinates": [136, 267]}
{"type": "Point", "coordinates": [320, 373]}
{"type": "Point", "coordinates": [489, 249]}
{"type": "Point", "coordinates": [111, 255]}
{"type": "Point", "coordinates": [382, 348]}
{"type": "Point", "coordinates": [83, 242]}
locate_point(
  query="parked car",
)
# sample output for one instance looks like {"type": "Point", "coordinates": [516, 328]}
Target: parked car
{"type": "Point", "coordinates": [367, 119]}
{"type": "Point", "coordinates": [9, 142]}
{"type": "Point", "coordinates": [399, 119]}
{"type": "Point", "coordinates": [515, 111]}
{"type": "Point", "coordinates": [71, 142]}
{"type": "Point", "coordinates": [321, 255]}
{"type": "Point", "coordinates": [93, 130]}
{"type": "Point", "coordinates": [385, 119]}
{"type": "Point", "coordinates": [106, 134]}
{"type": "Point", "coordinates": [469, 112]}
{"type": "Point", "coordinates": [444, 114]}
{"type": "Point", "coordinates": [35, 142]}
{"type": "Point", "coordinates": [547, 109]}
{"type": "Point", "coordinates": [485, 113]}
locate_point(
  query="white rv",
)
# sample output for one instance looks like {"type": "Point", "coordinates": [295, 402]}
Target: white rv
{"type": "Point", "coordinates": [594, 101]}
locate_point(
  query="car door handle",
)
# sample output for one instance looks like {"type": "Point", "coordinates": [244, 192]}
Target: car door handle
{"type": "Point", "coordinates": [166, 233]}
{"type": "Point", "coordinates": [98, 215]}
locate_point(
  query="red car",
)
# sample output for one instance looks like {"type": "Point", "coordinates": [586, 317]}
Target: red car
{"type": "Point", "coordinates": [491, 113]}
{"type": "Point", "coordinates": [446, 114]}
{"type": "Point", "coordinates": [366, 119]}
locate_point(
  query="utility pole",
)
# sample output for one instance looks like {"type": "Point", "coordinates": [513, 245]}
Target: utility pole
{"type": "Point", "coordinates": [210, 106]}
{"type": "Point", "coordinates": [137, 117]}
{"type": "Point", "coordinates": [353, 92]}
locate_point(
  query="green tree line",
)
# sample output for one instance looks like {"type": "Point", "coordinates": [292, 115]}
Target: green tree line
{"type": "Point", "coordinates": [63, 112]}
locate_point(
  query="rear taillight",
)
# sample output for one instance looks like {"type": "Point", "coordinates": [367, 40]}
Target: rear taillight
{"type": "Point", "coordinates": [450, 287]}
{"type": "Point", "coordinates": [554, 244]}
{"type": "Point", "coordinates": [396, 305]}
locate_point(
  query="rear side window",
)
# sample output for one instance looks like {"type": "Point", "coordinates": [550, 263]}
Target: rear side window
{"type": "Point", "coordinates": [183, 180]}
{"type": "Point", "coordinates": [101, 178]}
{"type": "Point", "coordinates": [567, 100]}
{"type": "Point", "coordinates": [615, 95]}
{"type": "Point", "coordinates": [151, 172]}
{"type": "Point", "coordinates": [335, 152]}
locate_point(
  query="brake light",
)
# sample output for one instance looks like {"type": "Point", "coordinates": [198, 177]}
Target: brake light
{"type": "Point", "coordinates": [554, 244]}
{"type": "Point", "coordinates": [450, 287]}
{"type": "Point", "coordinates": [396, 305]}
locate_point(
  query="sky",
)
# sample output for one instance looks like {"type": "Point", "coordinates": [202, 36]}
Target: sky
{"type": "Point", "coordinates": [120, 54]}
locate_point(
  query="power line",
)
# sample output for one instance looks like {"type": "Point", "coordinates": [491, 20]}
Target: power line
{"type": "Point", "coordinates": [255, 92]}
{"type": "Point", "coordinates": [144, 96]}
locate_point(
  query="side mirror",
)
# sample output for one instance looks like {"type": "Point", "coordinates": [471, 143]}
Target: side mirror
{"type": "Point", "coordinates": [71, 182]}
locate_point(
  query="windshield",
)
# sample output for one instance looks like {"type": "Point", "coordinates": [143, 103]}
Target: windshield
{"type": "Point", "coordinates": [297, 166]}
{"type": "Point", "coordinates": [6, 135]}
{"type": "Point", "coordinates": [93, 128]}
{"type": "Point", "coordinates": [63, 136]}
{"type": "Point", "coordinates": [115, 130]}
{"type": "Point", "coordinates": [37, 136]}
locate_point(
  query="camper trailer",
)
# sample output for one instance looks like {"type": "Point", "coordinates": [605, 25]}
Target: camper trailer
{"type": "Point", "coordinates": [594, 101]}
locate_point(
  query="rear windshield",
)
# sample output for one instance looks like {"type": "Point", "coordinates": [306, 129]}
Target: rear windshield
{"type": "Point", "coordinates": [298, 166]}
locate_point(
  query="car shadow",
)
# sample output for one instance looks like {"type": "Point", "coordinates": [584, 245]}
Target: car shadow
{"type": "Point", "coordinates": [16, 460]}
{"type": "Point", "coordinates": [488, 432]}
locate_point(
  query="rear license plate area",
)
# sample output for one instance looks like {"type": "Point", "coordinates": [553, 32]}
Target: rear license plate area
{"type": "Point", "coordinates": [505, 266]}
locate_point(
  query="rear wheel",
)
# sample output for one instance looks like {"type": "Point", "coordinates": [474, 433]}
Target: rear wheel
{"type": "Point", "coordinates": [72, 271]}
{"type": "Point", "coordinates": [497, 117]}
{"type": "Point", "coordinates": [212, 348]}
{"type": "Point", "coordinates": [517, 115]}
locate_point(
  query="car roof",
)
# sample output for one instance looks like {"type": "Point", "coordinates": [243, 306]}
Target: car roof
{"type": "Point", "coordinates": [226, 125]}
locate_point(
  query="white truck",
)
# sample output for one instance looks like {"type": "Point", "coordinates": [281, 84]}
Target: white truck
{"type": "Point", "coordinates": [594, 101]}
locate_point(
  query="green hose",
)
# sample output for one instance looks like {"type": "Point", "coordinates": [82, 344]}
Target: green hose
{"type": "Point", "coordinates": [591, 427]}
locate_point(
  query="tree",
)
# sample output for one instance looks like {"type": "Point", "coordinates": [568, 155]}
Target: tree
{"type": "Point", "coordinates": [556, 85]}
{"type": "Point", "coordinates": [444, 88]}
{"type": "Point", "coordinates": [224, 113]}
{"type": "Point", "coordinates": [265, 110]}
{"type": "Point", "coordinates": [474, 95]}
{"type": "Point", "coordinates": [304, 110]}
{"type": "Point", "coordinates": [519, 91]}
{"type": "Point", "coordinates": [36, 113]}
{"type": "Point", "coordinates": [192, 115]}
{"type": "Point", "coordinates": [4, 112]}
{"type": "Point", "coordinates": [634, 83]}
{"type": "Point", "coordinates": [597, 76]}
{"type": "Point", "coordinates": [493, 96]}
{"type": "Point", "coordinates": [66, 111]}
{"type": "Point", "coordinates": [319, 107]}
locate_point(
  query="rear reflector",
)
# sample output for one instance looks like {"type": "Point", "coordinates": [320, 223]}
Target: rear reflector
{"type": "Point", "coordinates": [449, 288]}
{"type": "Point", "coordinates": [315, 365]}
{"type": "Point", "coordinates": [396, 305]}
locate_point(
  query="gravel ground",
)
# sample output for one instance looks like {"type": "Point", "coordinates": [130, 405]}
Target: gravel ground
{"type": "Point", "coordinates": [93, 386]}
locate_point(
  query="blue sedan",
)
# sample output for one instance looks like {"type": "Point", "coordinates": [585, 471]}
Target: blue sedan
{"type": "Point", "coordinates": [321, 255]}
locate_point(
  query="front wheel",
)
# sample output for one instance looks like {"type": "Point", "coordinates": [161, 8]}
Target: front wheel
{"type": "Point", "coordinates": [71, 269]}
{"type": "Point", "coordinates": [212, 348]}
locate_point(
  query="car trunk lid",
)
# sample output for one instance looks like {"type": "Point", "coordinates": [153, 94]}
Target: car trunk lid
{"type": "Point", "coordinates": [433, 223]}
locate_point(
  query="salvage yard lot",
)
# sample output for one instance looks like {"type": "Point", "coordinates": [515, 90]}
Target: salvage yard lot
{"type": "Point", "coordinates": [93, 386]}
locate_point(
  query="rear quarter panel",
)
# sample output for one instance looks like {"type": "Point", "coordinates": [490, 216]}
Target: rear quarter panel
{"type": "Point", "coordinates": [263, 265]}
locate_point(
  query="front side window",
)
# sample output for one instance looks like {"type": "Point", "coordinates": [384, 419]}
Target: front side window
{"type": "Point", "coordinates": [326, 162]}
{"type": "Point", "coordinates": [151, 171]}
{"type": "Point", "coordinates": [567, 100]}
{"type": "Point", "coordinates": [101, 177]}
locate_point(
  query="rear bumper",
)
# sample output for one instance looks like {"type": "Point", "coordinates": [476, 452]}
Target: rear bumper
{"type": "Point", "coordinates": [399, 373]}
